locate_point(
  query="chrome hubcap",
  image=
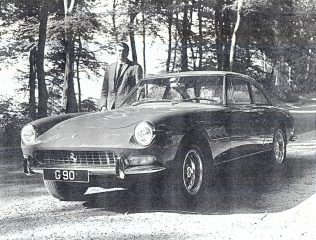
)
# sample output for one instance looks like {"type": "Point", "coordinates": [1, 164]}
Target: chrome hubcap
{"type": "Point", "coordinates": [192, 172]}
{"type": "Point", "coordinates": [279, 147]}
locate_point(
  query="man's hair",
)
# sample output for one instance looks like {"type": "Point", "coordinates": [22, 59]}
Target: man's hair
{"type": "Point", "coordinates": [124, 45]}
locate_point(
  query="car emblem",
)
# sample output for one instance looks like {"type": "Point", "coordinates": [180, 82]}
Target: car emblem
{"type": "Point", "coordinates": [75, 135]}
{"type": "Point", "coordinates": [73, 157]}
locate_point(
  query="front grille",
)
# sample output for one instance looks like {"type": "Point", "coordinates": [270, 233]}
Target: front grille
{"type": "Point", "coordinates": [76, 157]}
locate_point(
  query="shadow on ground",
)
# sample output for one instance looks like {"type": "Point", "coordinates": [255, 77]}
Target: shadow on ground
{"type": "Point", "coordinates": [251, 188]}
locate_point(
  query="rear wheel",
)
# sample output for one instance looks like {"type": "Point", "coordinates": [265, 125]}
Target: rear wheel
{"type": "Point", "coordinates": [279, 148]}
{"type": "Point", "coordinates": [66, 191]}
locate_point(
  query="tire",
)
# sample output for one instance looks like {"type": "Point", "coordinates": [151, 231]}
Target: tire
{"type": "Point", "coordinates": [191, 173]}
{"type": "Point", "coordinates": [278, 155]}
{"type": "Point", "coordinates": [66, 191]}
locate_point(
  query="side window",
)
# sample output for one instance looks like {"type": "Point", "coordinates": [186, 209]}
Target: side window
{"type": "Point", "coordinates": [207, 89]}
{"type": "Point", "coordinates": [238, 91]}
{"type": "Point", "coordinates": [258, 96]}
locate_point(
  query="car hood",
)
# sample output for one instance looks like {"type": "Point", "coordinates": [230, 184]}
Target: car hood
{"type": "Point", "coordinates": [125, 117]}
{"type": "Point", "coordinates": [114, 128]}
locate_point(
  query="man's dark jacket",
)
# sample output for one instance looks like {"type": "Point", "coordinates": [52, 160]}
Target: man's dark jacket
{"type": "Point", "coordinates": [116, 88]}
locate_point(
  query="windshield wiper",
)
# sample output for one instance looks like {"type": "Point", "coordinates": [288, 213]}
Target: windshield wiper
{"type": "Point", "coordinates": [152, 101]}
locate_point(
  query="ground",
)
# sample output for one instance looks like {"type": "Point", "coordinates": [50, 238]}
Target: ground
{"type": "Point", "coordinates": [251, 202]}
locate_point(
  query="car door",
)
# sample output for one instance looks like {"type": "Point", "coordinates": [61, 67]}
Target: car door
{"type": "Point", "coordinates": [244, 118]}
{"type": "Point", "coordinates": [265, 117]}
{"type": "Point", "coordinates": [208, 93]}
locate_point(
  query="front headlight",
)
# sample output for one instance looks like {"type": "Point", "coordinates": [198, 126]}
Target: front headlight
{"type": "Point", "coordinates": [144, 133]}
{"type": "Point", "coordinates": [28, 134]}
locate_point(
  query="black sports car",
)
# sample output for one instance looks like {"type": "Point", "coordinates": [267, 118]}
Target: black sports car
{"type": "Point", "coordinates": [185, 124]}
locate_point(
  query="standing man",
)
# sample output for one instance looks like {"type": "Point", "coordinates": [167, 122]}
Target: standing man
{"type": "Point", "coordinates": [119, 78]}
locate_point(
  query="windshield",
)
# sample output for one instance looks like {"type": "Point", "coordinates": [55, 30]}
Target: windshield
{"type": "Point", "coordinates": [194, 89]}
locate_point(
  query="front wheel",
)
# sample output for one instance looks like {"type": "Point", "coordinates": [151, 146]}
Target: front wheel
{"type": "Point", "coordinates": [66, 191]}
{"type": "Point", "coordinates": [191, 173]}
{"type": "Point", "coordinates": [279, 148]}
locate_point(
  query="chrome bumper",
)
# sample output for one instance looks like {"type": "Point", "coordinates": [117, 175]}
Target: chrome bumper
{"type": "Point", "coordinates": [293, 138]}
{"type": "Point", "coordinates": [120, 169]}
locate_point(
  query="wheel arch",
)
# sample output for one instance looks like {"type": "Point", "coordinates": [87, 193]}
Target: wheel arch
{"type": "Point", "coordinates": [281, 124]}
{"type": "Point", "coordinates": [199, 138]}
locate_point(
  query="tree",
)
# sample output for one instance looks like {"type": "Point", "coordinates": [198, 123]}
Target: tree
{"type": "Point", "coordinates": [69, 96]}
{"type": "Point", "coordinates": [269, 39]}
{"type": "Point", "coordinates": [32, 80]}
{"type": "Point", "coordinates": [42, 89]}
{"type": "Point", "coordinates": [184, 33]}
{"type": "Point", "coordinates": [169, 25]}
{"type": "Point", "coordinates": [234, 36]}
{"type": "Point", "coordinates": [113, 15]}
{"type": "Point", "coordinates": [29, 14]}
{"type": "Point", "coordinates": [200, 36]}
{"type": "Point", "coordinates": [144, 36]}
{"type": "Point", "coordinates": [133, 11]}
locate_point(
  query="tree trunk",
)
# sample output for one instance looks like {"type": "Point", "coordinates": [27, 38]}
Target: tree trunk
{"type": "Point", "coordinates": [69, 102]}
{"type": "Point", "coordinates": [248, 55]}
{"type": "Point", "coordinates": [184, 39]}
{"type": "Point", "coordinates": [133, 45]}
{"type": "Point", "coordinates": [78, 72]}
{"type": "Point", "coordinates": [32, 83]}
{"type": "Point", "coordinates": [42, 88]}
{"type": "Point", "coordinates": [169, 16]}
{"type": "Point", "coordinates": [219, 34]}
{"type": "Point", "coordinates": [114, 20]}
{"type": "Point", "coordinates": [191, 45]}
{"type": "Point", "coordinates": [144, 42]}
{"type": "Point", "coordinates": [132, 39]}
{"type": "Point", "coordinates": [234, 36]}
{"type": "Point", "coordinates": [69, 95]}
{"type": "Point", "coordinates": [226, 37]}
{"type": "Point", "coordinates": [132, 15]}
{"type": "Point", "coordinates": [176, 42]}
{"type": "Point", "coordinates": [200, 47]}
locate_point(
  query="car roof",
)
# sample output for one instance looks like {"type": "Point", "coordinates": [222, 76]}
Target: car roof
{"type": "Point", "coordinates": [197, 73]}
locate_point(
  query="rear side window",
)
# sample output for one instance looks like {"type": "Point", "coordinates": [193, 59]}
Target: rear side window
{"type": "Point", "coordinates": [258, 96]}
{"type": "Point", "coordinates": [238, 91]}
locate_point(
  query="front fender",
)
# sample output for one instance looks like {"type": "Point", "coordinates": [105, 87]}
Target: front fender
{"type": "Point", "coordinates": [44, 124]}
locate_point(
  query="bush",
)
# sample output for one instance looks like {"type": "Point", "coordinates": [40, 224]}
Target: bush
{"type": "Point", "coordinates": [12, 119]}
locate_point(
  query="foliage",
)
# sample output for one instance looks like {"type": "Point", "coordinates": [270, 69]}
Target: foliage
{"type": "Point", "coordinates": [13, 116]}
{"type": "Point", "coordinates": [275, 41]}
{"type": "Point", "coordinates": [89, 105]}
{"type": "Point", "coordinates": [25, 32]}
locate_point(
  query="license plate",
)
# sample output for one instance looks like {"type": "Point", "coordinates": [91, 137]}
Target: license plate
{"type": "Point", "coordinates": [65, 175]}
